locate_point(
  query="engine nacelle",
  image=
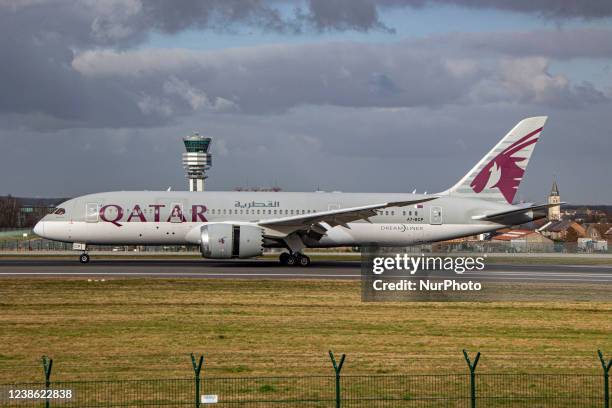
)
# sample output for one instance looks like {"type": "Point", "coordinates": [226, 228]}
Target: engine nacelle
{"type": "Point", "coordinates": [220, 240]}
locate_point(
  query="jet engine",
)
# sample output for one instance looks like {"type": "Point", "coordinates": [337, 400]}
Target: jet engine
{"type": "Point", "coordinates": [219, 240]}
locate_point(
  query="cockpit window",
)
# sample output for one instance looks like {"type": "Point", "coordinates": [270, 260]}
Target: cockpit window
{"type": "Point", "coordinates": [59, 211]}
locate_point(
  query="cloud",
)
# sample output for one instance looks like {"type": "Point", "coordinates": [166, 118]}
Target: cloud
{"type": "Point", "coordinates": [76, 62]}
{"type": "Point", "coordinates": [528, 80]}
{"type": "Point", "coordinates": [592, 9]}
{"type": "Point", "coordinates": [561, 44]}
{"type": "Point", "coordinates": [268, 79]}
{"type": "Point", "coordinates": [342, 15]}
{"type": "Point", "coordinates": [196, 98]}
{"type": "Point", "coordinates": [401, 148]}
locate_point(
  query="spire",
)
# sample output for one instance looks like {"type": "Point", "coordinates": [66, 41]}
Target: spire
{"type": "Point", "coordinates": [555, 189]}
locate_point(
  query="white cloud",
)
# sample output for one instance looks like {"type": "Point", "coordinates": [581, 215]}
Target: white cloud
{"type": "Point", "coordinates": [196, 98]}
{"type": "Point", "coordinates": [150, 105]}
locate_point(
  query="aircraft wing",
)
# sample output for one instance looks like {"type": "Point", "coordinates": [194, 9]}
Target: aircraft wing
{"type": "Point", "coordinates": [335, 217]}
{"type": "Point", "coordinates": [514, 211]}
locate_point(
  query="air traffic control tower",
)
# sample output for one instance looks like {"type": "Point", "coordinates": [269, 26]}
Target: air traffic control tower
{"type": "Point", "coordinates": [196, 160]}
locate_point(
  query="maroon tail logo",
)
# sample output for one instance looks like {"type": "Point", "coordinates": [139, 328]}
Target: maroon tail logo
{"type": "Point", "coordinates": [503, 171]}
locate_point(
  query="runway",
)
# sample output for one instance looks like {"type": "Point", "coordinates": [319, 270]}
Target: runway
{"type": "Point", "coordinates": [271, 269]}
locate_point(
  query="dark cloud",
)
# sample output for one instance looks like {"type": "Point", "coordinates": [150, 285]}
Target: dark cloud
{"type": "Point", "coordinates": [562, 44]}
{"type": "Point", "coordinates": [359, 15]}
{"type": "Point", "coordinates": [363, 15]}
{"type": "Point", "coordinates": [591, 9]}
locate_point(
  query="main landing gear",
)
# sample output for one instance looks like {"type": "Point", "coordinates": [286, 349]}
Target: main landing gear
{"type": "Point", "coordinates": [84, 258]}
{"type": "Point", "coordinates": [293, 259]}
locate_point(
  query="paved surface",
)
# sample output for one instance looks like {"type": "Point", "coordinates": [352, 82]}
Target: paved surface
{"type": "Point", "coordinates": [269, 269]}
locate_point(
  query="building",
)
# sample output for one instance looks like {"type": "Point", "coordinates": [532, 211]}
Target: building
{"type": "Point", "coordinates": [523, 240]}
{"type": "Point", "coordinates": [598, 231]}
{"type": "Point", "coordinates": [196, 160]}
{"type": "Point", "coordinates": [595, 239]}
{"type": "Point", "coordinates": [608, 235]}
{"type": "Point", "coordinates": [554, 213]}
{"type": "Point", "coordinates": [566, 230]}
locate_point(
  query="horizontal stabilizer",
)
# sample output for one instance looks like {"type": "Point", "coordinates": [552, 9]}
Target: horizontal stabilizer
{"type": "Point", "coordinates": [514, 211]}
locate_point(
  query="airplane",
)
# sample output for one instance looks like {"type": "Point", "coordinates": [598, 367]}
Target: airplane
{"type": "Point", "coordinates": [242, 224]}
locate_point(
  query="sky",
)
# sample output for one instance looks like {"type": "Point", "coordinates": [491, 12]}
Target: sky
{"type": "Point", "coordinates": [336, 95]}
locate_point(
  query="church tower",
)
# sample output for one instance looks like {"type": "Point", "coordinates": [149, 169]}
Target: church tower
{"type": "Point", "coordinates": [554, 213]}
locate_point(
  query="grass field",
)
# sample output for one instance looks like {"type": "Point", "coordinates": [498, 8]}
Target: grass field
{"type": "Point", "coordinates": [141, 328]}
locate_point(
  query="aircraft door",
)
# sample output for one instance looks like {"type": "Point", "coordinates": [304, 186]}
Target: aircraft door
{"type": "Point", "coordinates": [92, 212]}
{"type": "Point", "coordinates": [435, 216]}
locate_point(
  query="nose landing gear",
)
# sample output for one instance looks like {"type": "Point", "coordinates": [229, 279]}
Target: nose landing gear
{"type": "Point", "coordinates": [293, 259]}
{"type": "Point", "coordinates": [79, 246]}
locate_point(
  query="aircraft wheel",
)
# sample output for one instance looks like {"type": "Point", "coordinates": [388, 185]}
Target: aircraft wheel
{"type": "Point", "coordinates": [303, 260]}
{"type": "Point", "coordinates": [283, 258]}
{"type": "Point", "coordinates": [84, 258]}
{"type": "Point", "coordinates": [292, 260]}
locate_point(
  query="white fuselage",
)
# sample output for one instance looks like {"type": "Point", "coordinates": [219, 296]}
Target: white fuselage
{"type": "Point", "coordinates": [165, 218]}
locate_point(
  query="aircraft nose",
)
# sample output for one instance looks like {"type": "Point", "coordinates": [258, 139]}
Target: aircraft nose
{"type": "Point", "coordinates": [39, 228]}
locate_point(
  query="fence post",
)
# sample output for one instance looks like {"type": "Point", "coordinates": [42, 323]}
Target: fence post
{"type": "Point", "coordinates": [472, 367]}
{"type": "Point", "coordinates": [337, 369]}
{"type": "Point", "coordinates": [197, 367]}
{"type": "Point", "coordinates": [606, 371]}
{"type": "Point", "coordinates": [47, 366]}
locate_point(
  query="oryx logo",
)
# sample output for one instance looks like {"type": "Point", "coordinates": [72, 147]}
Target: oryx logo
{"type": "Point", "coordinates": [503, 171]}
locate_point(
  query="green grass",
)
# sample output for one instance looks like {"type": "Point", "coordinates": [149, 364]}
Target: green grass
{"type": "Point", "coordinates": [145, 328]}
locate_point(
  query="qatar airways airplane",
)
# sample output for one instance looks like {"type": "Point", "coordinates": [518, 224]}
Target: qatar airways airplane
{"type": "Point", "coordinates": [242, 224]}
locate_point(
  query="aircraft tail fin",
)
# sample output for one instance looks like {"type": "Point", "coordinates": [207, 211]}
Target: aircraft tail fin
{"type": "Point", "coordinates": [498, 174]}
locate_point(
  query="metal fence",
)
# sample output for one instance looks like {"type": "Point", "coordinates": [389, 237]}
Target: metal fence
{"type": "Point", "coordinates": [469, 389]}
{"type": "Point", "coordinates": [448, 390]}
